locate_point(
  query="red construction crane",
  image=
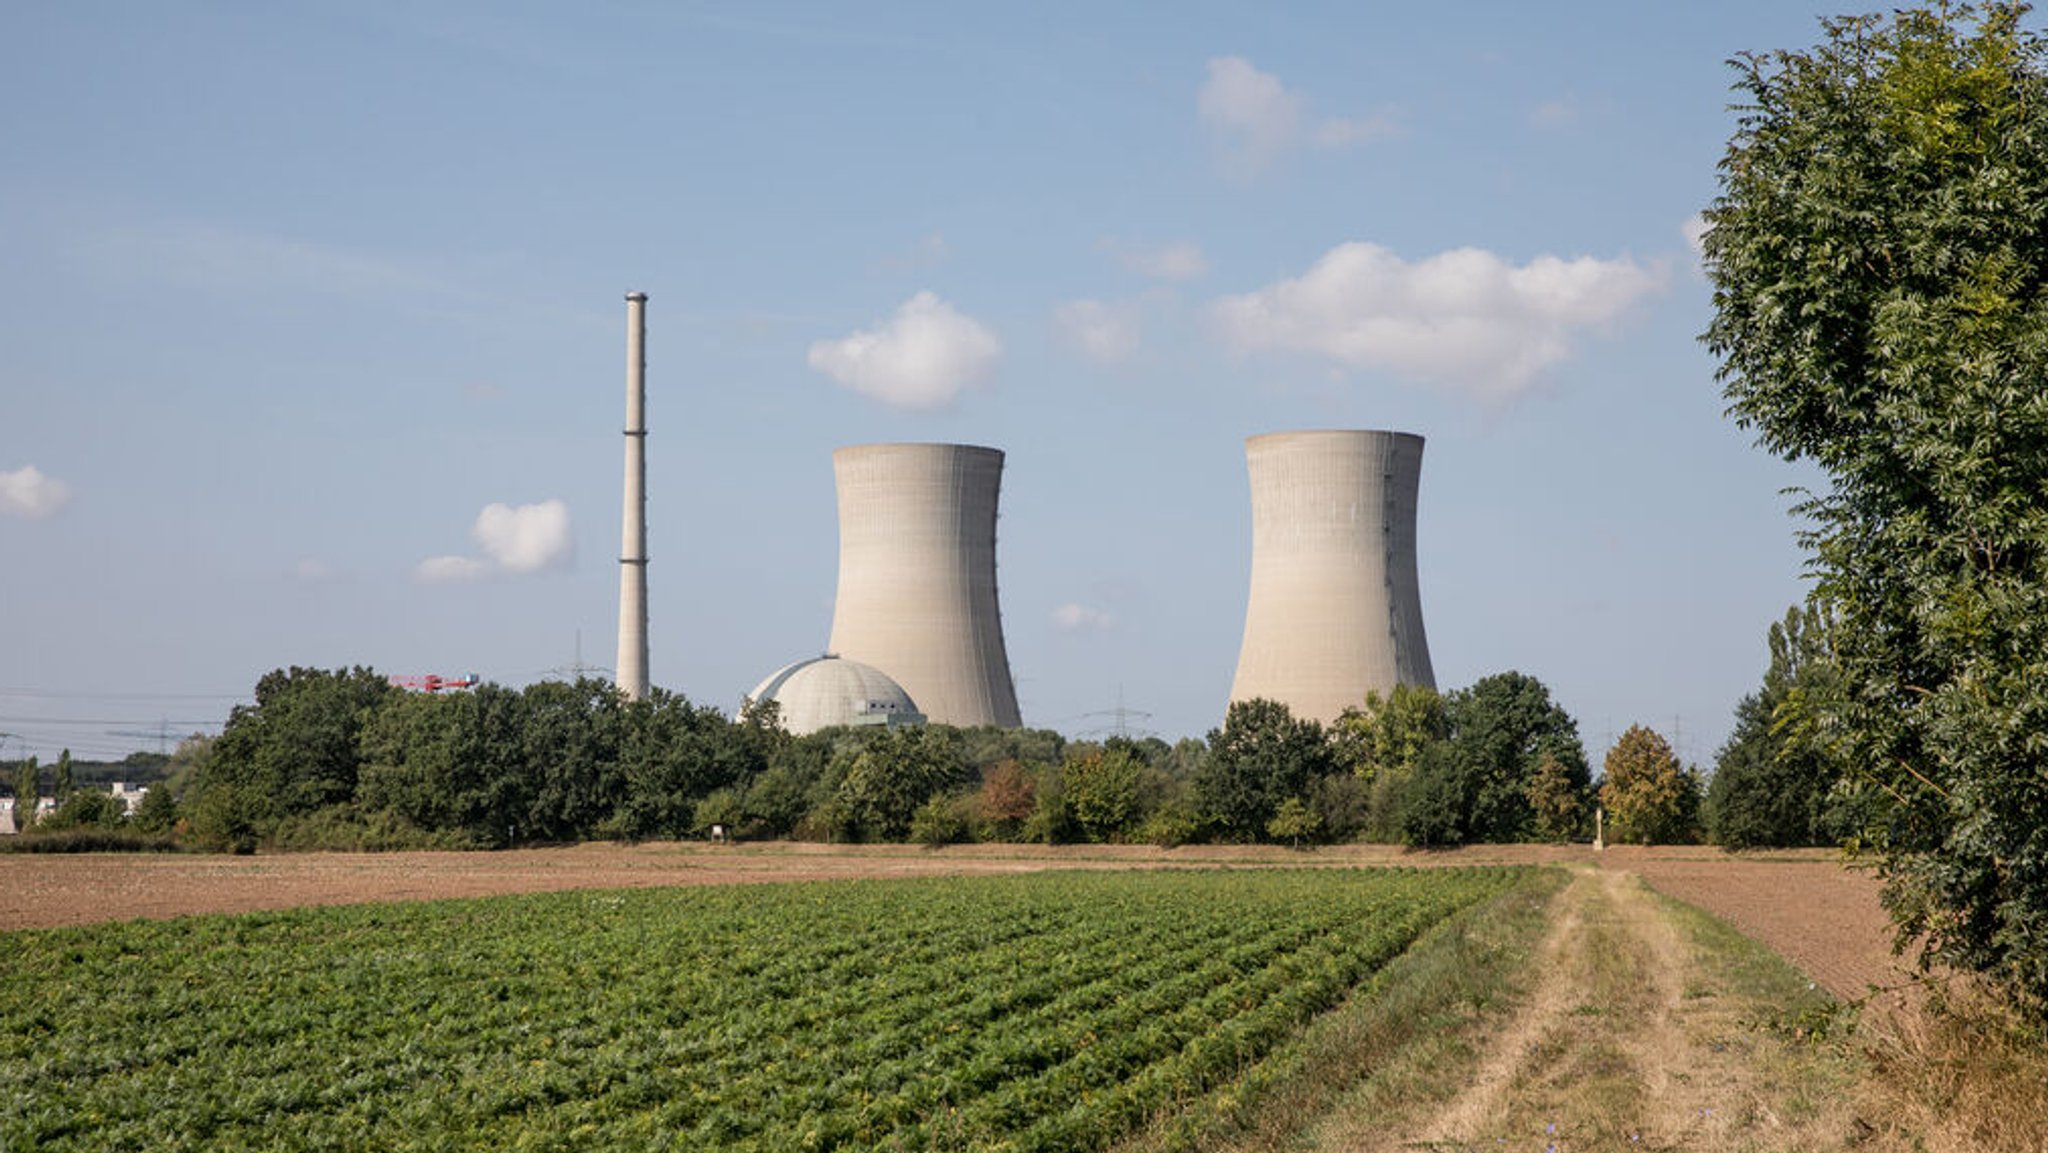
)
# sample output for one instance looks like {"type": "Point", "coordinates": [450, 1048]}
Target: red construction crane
{"type": "Point", "coordinates": [434, 682]}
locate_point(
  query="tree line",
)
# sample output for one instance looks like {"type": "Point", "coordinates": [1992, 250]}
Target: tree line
{"type": "Point", "coordinates": [342, 759]}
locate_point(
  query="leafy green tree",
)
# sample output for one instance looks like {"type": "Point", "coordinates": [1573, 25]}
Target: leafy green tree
{"type": "Point", "coordinates": [1342, 804]}
{"type": "Point", "coordinates": [293, 752]}
{"type": "Point", "coordinates": [939, 822]}
{"type": "Point", "coordinates": [87, 809]}
{"type": "Point", "coordinates": [1649, 797]}
{"type": "Point", "coordinates": [1388, 734]}
{"type": "Point", "coordinates": [449, 763]}
{"type": "Point", "coordinates": [1475, 784]}
{"type": "Point", "coordinates": [1262, 755]}
{"type": "Point", "coordinates": [158, 812]}
{"type": "Point", "coordinates": [570, 735]}
{"type": "Point", "coordinates": [1557, 801]}
{"type": "Point", "coordinates": [1436, 801]}
{"type": "Point", "coordinates": [1779, 779]}
{"type": "Point", "coordinates": [674, 754]}
{"type": "Point", "coordinates": [1294, 822]}
{"type": "Point", "coordinates": [1881, 289]}
{"type": "Point", "coordinates": [28, 790]}
{"type": "Point", "coordinates": [1101, 791]}
{"type": "Point", "coordinates": [60, 778]}
{"type": "Point", "coordinates": [896, 772]}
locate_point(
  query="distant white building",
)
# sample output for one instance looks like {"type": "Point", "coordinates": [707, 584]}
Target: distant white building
{"type": "Point", "coordinates": [129, 795]}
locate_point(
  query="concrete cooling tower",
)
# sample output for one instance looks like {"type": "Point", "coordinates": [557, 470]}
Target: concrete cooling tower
{"type": "Point", "coordinates": [917, 576]}
{"type": "Point", "coordinates": [1335, 610]}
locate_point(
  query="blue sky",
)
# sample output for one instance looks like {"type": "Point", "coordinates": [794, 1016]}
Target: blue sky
{"type": "Point", "coordinates": [294, 297]}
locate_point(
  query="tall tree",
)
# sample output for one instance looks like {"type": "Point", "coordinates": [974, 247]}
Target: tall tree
{"type": "Point", "coordinates": [895, 773]}
{"type": "Point", "coordinates": [60, 778]}
{"type": "Point", "coordinates": [1649, 797]}
{"type": "Point", "coordinates": [1776, 779]}
{"type": "Point", "coordinates": [293, 752]}
{"type": "Point", "coordinates": [28, 788]}
{"type": "Point", "coordinates": [1262, 755]}
{"type": "Point", "coordinates": [1879, 255]}
{"type": "Point", "coordinates": [1476, 784]}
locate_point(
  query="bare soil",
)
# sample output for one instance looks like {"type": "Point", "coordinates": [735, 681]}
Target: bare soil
{"type": "Point", "coordinates": [1820, 915]}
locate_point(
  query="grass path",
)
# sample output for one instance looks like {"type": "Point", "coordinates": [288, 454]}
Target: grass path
{"type": "Point", "coordinates": [1644, 1026]}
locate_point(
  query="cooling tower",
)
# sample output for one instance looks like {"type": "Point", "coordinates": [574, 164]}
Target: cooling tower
{"type": "Point", "coordinates": [917, 576]}
{"type": "Point", "coordinates": [1335, 611]}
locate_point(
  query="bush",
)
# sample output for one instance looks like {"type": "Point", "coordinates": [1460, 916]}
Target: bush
{"type": "Point", "coordinates": [88, 839]}
{"type": "Point", "coordinates": [940, 821]}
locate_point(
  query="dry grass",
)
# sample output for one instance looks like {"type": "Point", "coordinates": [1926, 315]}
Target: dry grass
{"type": "Point", "coordinates": [1957, 1073]}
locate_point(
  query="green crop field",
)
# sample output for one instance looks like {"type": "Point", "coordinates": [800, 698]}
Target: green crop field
{"type": "Point", "coordinates": [1053, 1011]}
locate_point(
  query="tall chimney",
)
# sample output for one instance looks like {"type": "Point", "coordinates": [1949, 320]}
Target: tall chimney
{"type": "Point", "coordinates": [632, 663]}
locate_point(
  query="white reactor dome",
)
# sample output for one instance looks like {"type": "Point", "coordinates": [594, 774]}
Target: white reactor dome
{"type": "Point", "coordinates": [825, 691]}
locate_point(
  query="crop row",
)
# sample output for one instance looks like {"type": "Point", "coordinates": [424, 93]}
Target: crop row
{"type": "Point", "coordinates": [1042, 1012]}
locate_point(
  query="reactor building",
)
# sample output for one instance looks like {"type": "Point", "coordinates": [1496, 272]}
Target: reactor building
{"type": "Point", "coordinates": [1335, 610]}
{"type": "Point", "coordinates": [917, 577]}
{"type": "Point", "coordinates": [821, 692]}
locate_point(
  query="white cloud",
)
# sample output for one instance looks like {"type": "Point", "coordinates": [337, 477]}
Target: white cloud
{"type": "Point", "coordinates": [1256, 118]}
{"type": "Point", "coordinates": [923, 358]}
{"type": "Point", "coordinates": [442, 570]}
{"type": "Point", "coordinates": [1179, 261]}
{"type": "Point", "coordinates": [514, 538]}
{"type": "Point", "coordinates": [1105, 332]}
{"type": "Point", "coordinates": [1250, 109]}
{"type": "Point", "coordinates": [1695, 229]}
{"type": "Point", "coordinates": [27, 492]}
{"type": "Point", "coordinates": [525, 538]}
{"type": "Point", "coordinates": [1076, 618]}
{"type": "Point", "coordinates": [312, 570]}
{"type": "Point", "coordinates": [1341, 133]}
{"type": "Point", "coordinates": [1465, 318]}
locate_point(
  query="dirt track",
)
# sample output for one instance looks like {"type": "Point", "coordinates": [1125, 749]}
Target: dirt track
{"type": "Point", "coordinates": [1823, 917]}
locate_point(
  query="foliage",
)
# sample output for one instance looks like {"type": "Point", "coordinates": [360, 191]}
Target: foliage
{"type": "Point", "coordinates": [1780, 780]}
{"type": "Point", "coordinates": [1294, 822]}
{"type": "Point", "coordinates": [1475, 784]}
{"type": "Point", "coordinates": [1009, 795]}
{"type": "Point", "coordinates": [158, 812]}
{"type": "Point", "coordinates": [1436, 803]}
{"type": "Point", "coordinates": [89, 839]}
{"type": "Point", "coordinates": [1262, 755]}
{"type": "Point", "coordinates": [897, 771]}
{"type": "Point", "coordinates": [1650, 799]}
{"type": "Point", "coordinates": [1342, 805]}
{"type": "Point", "coordinates": [1388, 735]}
{"type": "Point", "coordinates": [86, 809]}
{"type": "Point", "coordinates": [1055, 1011]}
{"type": "Point", "coordinates": [940, 821]}
{"type": "Point", "coordinates": [292, 752]}
{"type": "Point", "coordinates": [60, 778]}
{"type": "Point", "coordinates": [1557, 801]}
{"type": "Point", "coordinates": [1101, 791]}
{"type": "Point", "coordinates": [28, 789]}
{"type": "Point", "coordinates": [1881, 289]}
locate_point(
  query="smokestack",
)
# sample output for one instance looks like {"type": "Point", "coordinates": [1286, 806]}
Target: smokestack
{"type": "Point", "coordinates": [632, 663]}
{"type": "Point", "coordinates": [1335, 610]}
{"type": "Point", "coordinates": [917, 576]}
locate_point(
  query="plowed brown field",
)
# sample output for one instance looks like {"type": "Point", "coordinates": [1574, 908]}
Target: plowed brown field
{"type": "Point", "coordinates": [1823, 917]}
